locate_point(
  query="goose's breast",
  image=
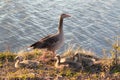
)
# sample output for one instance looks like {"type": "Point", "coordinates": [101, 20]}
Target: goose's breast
{"type": "Point", "coordinates": [59, 43]}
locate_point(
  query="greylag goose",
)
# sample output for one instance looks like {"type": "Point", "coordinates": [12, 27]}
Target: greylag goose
{"type": "Point", "coordinates": [52, 42]}
{"type": "Point", "coordinates": [83, 59]}
{"type": "Point", "coordinates": [70, 64]}
{"type": "Point", "coordinates": [20, 63]}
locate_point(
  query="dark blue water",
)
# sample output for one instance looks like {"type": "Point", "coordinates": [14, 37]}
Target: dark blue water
{"type": "Point", "coordinates": [92, 25]}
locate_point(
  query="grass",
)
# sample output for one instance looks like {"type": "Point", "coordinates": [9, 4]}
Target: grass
{"type": "Point", "coordinates": [103, 69]}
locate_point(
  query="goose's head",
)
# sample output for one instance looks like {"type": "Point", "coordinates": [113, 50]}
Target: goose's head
{"type": "Point", "coordinates": [20, 58]}
{"type": "Point", "coordinates": [76, 57]}
{"type": "Point", "coordinates": [57, 57]}
{"type": "Point", "coordinates": [65, 15]}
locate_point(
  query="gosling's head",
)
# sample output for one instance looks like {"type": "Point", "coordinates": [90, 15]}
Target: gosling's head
{"type": "Point", "coordinates": [76, 57]}
{"type": "Point", "coordinates": [57, 57]}
{"type": "Point", "coordinates": [20, 58]}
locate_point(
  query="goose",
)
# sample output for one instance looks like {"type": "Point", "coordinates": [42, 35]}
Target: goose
{"type": "Point", "coordinates": [82, 59]}
{"type": "Point", "coordinates": [20, 63]}
{"type": "Point", "coordinates": [70, 64]}
{"type": "Point", "coordinates": [52, 42]}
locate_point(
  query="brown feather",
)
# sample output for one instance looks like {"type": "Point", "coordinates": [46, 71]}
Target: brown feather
{"type": "Point", "coordinates": [46, 42]}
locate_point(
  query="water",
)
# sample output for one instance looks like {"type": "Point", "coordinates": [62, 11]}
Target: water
{"type": "Point", "coordinates": [23, 22]}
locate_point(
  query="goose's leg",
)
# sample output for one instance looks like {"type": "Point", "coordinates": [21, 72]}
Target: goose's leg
{"type": "Point", "coordinates": [53, 53]}
{"type": "Point", "coordinates": [43, 56]}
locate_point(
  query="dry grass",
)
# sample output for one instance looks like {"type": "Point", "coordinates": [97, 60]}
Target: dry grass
{"type": "Point", "coordinates": [102, 69]}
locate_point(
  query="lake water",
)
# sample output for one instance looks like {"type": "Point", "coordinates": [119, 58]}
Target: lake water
{"type": "Point", "coordinates": [92, 25]}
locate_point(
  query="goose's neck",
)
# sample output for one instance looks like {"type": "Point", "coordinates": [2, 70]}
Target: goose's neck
{"type": "Point", "coordinates": [60, 27]}
{"type": "Point", "coordinates": [58, 61]}
{"type": "Point", "coordinates": [17, 63]}
{"type": "Point", "coordinates": [75, 59]}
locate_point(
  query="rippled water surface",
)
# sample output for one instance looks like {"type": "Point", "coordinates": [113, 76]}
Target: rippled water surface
{"type": "Point", "coordinates": [23, 22]}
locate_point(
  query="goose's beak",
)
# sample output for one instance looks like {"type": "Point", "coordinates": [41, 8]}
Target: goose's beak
{"type": "Point", "coordinates": [67, 15]}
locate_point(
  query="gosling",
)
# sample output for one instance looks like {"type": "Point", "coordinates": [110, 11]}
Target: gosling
{"type": "Point", "coordinates": [20, 63]}
{"type": "Point", "coordinates": [82, 59]}
{"type": "Point", "coordinates": [70, 64]}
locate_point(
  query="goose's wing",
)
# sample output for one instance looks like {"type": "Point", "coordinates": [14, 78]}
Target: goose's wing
{"type": "Point", "coordinates": [73, 64]}
{"type": "Point", "coordinates": [48, 36]}
{"type": "Point", "coordinates": [24, 63]}
{"type": "Point", "coordinates": [45, 42]}
{"type": "Point", "coordinates": [27, 64]}
{"type": "Point", "coordinates": [38, 43]}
